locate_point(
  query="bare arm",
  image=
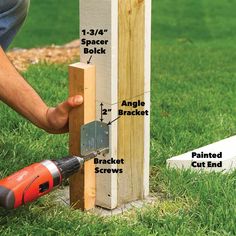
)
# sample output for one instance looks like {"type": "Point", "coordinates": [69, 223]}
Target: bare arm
{"type": "Point", "coordinates": [19, 95]}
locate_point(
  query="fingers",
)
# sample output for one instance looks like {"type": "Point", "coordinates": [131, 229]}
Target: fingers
{"type": "Point", "coordinates": [57, 118]}
{"type": "Point", "coordinates": [75, 101]}
{"type": "Point", "coordinates": [62, 130]}
{"type": "Point", "coordinates": [68, 105]}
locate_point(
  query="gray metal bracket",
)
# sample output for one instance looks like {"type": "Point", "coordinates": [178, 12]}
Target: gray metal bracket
{"type": "Point", "coordinates": [94, 137]}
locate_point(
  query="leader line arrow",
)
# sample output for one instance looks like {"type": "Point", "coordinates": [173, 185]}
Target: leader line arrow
{"type": "Point", "coordinates": [114, 120]}
{"type": "Point", "coordinates": [101, 112]}
{"type": "Point", "coordinates": [89, 59]}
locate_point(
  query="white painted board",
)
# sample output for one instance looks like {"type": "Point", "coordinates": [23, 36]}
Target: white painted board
{"type": "Point", "coordinates": [103, 15]}
{"type": "Point", "coordinates": [226, 163]}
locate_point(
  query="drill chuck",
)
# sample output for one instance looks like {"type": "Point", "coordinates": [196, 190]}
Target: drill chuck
{"type": "Point", "coordinates": [69, 165]}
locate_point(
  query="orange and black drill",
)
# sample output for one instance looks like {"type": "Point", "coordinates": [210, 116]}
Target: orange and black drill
{"type": "Point", "coordinates": [38, 179]}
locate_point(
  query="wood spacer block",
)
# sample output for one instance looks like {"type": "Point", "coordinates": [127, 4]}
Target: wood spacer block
{"type": "Point", "coordinates": [82, 82]}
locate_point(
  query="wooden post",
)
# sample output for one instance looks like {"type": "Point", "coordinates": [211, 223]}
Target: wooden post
{"type": "Point", "coordinates": [122, 74]}
{"type": "Point", "coordinates": [103, 15]}
{"type": "Point", "coordinates": [134, 85]}
{"type": "Point", "coordinates": [82, 184]}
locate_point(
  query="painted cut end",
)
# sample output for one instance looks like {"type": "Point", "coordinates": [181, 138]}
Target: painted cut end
{"type": "Point", "coordinates": [219, 157]}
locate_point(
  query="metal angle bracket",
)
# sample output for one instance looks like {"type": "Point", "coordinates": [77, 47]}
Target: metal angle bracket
{"type": "Point", "coordinates": [94, 137]}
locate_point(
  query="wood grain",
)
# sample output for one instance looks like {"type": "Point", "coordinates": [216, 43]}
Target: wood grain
{"type": "Point", "coordinates": [82, 184]}
{"type": "Point", "coordinates": [131, 85]}
{"type": "Point", "coordinates": [123, 73]}
{"type": "Point", "coordinates": [131, 49]}
{"type": "Point", "coordinates": [103, 14]}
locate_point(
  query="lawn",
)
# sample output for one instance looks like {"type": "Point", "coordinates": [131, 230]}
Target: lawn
{"type": "Point", "coordinates": [193, 104]}
{"type": "Point", "coordinates": [49, 22]}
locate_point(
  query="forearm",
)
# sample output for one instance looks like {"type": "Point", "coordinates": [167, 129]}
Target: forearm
{"type": "Point", "coordinates": [19, 95]}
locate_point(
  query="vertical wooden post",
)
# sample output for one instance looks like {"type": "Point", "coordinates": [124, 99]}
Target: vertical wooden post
{"type": "Point", "coordinates": [123, 73]}
{"type": "Point", "coordinates": [82, 82]}
{"type": "Point", "coordinates": [103, 15]}
{"type": "Point", "coordinates": [133, 85]}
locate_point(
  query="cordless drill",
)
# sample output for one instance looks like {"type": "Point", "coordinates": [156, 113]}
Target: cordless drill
{"type": "Point", "coordinates": [38, 179]}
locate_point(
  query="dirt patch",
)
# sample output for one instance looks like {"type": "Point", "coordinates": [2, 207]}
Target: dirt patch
{"type": "Point", "coordinates": [23, 58]}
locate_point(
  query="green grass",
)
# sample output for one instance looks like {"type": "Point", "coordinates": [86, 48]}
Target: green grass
{"type": "Point", "coordinates": [193, 104]}
{"type": "Point", "coordinates": [49, 22]}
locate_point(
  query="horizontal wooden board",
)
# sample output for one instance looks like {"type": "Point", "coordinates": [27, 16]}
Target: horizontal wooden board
{"type": "Point", "coordinates": [226, 146]}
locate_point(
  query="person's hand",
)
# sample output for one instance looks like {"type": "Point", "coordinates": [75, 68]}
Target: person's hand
{"type": "Point", "coordinates": [57, 117]}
